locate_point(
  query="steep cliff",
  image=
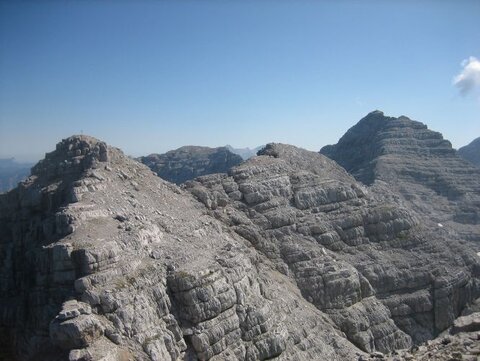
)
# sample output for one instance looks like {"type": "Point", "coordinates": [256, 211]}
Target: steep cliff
{"type": "Point", "coordinates": [188, 162]}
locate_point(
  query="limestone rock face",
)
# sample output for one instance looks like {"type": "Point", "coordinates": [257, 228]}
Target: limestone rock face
{"type": "Point", "coordinates": [471, 152]}
{"type": "Point", "coordinates": [100, 259]}
{"type": "Point", "coordinates": [188, 162]}
{"type": "Point", "coordinates": [286, 257]}
{"type": "Point", "coordinates": [386, 275]}
{"type": "Point", "coordinates": [459, 342]}
{"type": "Point", "coordinates": [415, 163]}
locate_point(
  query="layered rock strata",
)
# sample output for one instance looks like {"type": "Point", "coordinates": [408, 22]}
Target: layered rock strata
{"type": "Point", "coordinates": [416, 164]}
{"type": "Point", "coordinates": [385, 275]}
{"type": "Point", "coordinates": [102, 260]}
{"type": "Point", "coordinates": [286, 257]}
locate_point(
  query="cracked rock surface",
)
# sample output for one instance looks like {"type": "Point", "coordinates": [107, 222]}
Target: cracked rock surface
{"type": "Point", "coordinates": [287, 257]}
{"type": "Point", "coordinates": [386, 275]}
{"type": "Point", "coordinates": [416, 164]}
{"type": "Point", "coordinates": [100, 259]}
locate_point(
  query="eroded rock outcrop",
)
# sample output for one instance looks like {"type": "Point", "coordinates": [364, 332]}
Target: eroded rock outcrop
{"type": "Point", "coordinates": [461, 342]}
{"type": "Point", "coordinates": [102, 260]}
{"type": "Point", "coordinates": [385, 275]}
{"type": "Point", "coordinates": [188, 162]}
{"type": "Point", "coordinates": [286, 257]}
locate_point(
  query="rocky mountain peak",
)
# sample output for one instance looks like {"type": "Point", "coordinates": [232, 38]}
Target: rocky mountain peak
{"type": "Point", "coordinates": [104, 260]}
{"type": "Point", "coordinates": [74, 155]}
{"type": "Point", "coordinates": [414, 161]}
{"type": "Point", "coordinates": [377, 135]}
{"type": "Point", "coordinates": [284, 257]}
{"type": "Point", "coordinates": [245, 153]}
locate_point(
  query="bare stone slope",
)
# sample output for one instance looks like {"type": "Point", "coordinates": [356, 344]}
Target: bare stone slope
{"type": "Point", "coordinates": [102, 260]}
{"type": "Point", "coordinates": [286, 257]}
{"type": "Point", "coordinates": [387, 276]}
{"type": "Point", "coordinates": [415, 163]}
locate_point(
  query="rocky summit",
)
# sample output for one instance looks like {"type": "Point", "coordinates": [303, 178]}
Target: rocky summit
{"type": "Point", "coordinates": [416, 164]}
{"type": "Point", "coordinates": [103, 260]}
{"type": "Point", "coordinates": [188, 162]}
{"type": "Point", "coordinates": [471, 152]}
{"type": "Point", "coordinates": [287, 256]}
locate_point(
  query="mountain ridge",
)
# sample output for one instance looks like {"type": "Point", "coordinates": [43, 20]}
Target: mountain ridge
{"type": "Point", "coordinates": [287, 256]}
{"type": "Point", "coordinates": [419, 164]}
{"type": "Point", "coordinates": [188, 162]}
{"type": "Point", "coordinates": [128, 266]}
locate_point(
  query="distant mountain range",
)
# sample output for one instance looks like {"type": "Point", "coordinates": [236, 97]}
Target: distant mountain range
{"type": "Point", "coordinates": [245, 153]}
{"type": "Point", "coordinates": [189, 162]}
{"type": "Point", "coordinates": [367, 247]}
{"type": "Point", "coordinates": [12, 172]}
{"type": "Point", "coordinates": [471, 152]}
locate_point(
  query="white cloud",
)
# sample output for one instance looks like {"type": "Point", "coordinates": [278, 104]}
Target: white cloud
{"type": "Point", "coordinates": [469, 77]}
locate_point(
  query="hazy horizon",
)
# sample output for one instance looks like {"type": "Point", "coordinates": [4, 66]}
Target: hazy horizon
{"type": "Point", "coordinates": [149, 77]}
{"type": "Point", "coordinates": [25, 158]}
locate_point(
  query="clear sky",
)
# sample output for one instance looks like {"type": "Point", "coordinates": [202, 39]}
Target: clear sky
{"type": "Point", "coordinates": [149, 76]}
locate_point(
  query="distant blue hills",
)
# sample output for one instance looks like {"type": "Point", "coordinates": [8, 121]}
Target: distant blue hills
{"type": "Point", "coordinates": [12, 172]}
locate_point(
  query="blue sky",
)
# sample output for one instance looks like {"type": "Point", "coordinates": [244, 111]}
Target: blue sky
{"type": "Point", "coordinates": [149, 76]}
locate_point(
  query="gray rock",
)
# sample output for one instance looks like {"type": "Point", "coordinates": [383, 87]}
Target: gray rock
{"type": "Point", "coordinates": [164, 281]}
{"type": "Point", "coordinates": [356, 253]}
{"type": "Point", "coordinates": [286, 257]}
{"type": "Point", "coordinates": [470, 323]}
{"type": "Point", "coordinates": [416, 164]}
